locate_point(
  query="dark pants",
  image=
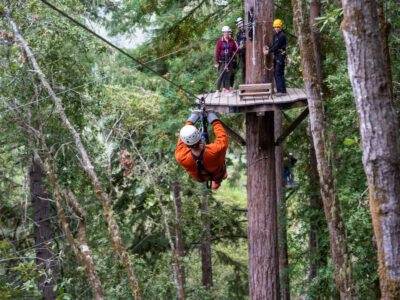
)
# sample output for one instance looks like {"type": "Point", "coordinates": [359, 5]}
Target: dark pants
{"type": "Point", "coordinates": [279, 74]}
{"type": "Point", "coordinates": [242, 64]}
{"type": "Point", "coordinates": [224, 76]}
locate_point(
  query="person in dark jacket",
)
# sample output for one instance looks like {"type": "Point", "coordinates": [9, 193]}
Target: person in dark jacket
{"type": "Point", "coordinates": [241, 41]}
{"type": "Point", "coordinates": [225, 50]}
{"type": "Point", "coordinates": [279, 50]}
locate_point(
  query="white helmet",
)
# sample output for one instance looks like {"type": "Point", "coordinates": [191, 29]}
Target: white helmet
{"type": "Point", "coordinates": [190, 135]}
{"type": "Point", "coordinates": [238, 21]}
{"type": "Point", "coordinates": [226, 29]}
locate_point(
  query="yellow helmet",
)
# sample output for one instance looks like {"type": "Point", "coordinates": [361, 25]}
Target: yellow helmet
{"type": "Point", "coordinates": [277, 23]}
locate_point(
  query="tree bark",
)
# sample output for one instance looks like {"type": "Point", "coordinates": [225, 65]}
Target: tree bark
{"type": "Point", "coordinates": [42, 232]}
{"type": "Point", "coordinates": [315, 12]}
{"type": "Point", "coordinates": [385, 28]}
{"type": "Point", "coordinates": [179, 240]}
{"type": "Point", "coordinates": [379, 130]}
{"type": "Point", "coordinates": [261, 183]}
{"type": "Point", "coordinates": [262, 211]}
{"type": "Point", "coordinates": [282, 213]}
{"type": "Point", "coordinates": [105, 199]}
{"type": "Point", "coordinates": [206, 263]}
{"type": "Point", "coordinates": [337, 233]}
{"type": "Point", "coordinates": [81, 249]}
{"type": "Point", "coordinates": [318, 254]}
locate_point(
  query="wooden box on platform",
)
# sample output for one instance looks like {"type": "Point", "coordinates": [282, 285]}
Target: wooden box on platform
{"type": "Point", "coordinates": [251, 91]}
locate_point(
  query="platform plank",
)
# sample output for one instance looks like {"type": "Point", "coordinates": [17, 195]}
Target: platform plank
{"type": "Point", "coordinates": [231, 102]}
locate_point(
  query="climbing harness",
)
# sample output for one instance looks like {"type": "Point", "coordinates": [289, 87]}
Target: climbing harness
{"type": "Point", "coordinates": [204, 140]}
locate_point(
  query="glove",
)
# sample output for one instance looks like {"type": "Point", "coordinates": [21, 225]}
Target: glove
{"type": "Point", "coordinates": [194, 117]}
{"type": "Point", "coordinates": [211, 117]}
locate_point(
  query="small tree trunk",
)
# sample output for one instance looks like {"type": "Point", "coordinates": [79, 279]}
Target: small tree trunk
{"type": "Point", "coordinates": [42, 232]}
{"type": "Point", "coordinates": [206, 263]}
{"type": "Point", "coordinates": [318, 254]}
{"type": "Point", "coordinates": [379, 129]}
{"type": "Point", "coordinates": [179, 241]}
{"type": "Point", "coordinates": [81, 250]}
{"type": "Point", "coordinates": [282, 213]}
{"type": "Point", "coordinates": [337, 233]}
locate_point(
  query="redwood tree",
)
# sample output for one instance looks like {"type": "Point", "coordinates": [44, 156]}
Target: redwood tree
{"type": "Point", "coordinates": [380, 134]}
{"type": "Point", "coordinates": [337, 232]}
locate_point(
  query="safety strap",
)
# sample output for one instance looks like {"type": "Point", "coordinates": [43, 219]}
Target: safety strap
{"type": "Point", "coordinates": [200, 166]}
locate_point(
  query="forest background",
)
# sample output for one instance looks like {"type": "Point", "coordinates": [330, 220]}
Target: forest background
{"type": "Point", "coordinates": [128, 120]}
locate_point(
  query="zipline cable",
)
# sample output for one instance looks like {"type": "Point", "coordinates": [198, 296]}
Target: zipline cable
{"type": "Point", "coordinates": [116, 47]}
{"type": "Point", "coordinates": [105, 77]}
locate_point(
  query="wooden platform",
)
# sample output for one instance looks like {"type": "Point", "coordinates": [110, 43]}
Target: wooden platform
{"type": "Point", "coordinates": [232, 103]}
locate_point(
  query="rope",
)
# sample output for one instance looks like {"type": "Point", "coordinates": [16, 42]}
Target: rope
{"type": "Point", "coordinates": [117, 48]}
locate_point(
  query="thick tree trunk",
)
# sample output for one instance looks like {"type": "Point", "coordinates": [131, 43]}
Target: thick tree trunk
{"type": "Point", "coordinates": [379, 132]}
{"type": "Point", "coordinates": [262, 210]}
{"type": "Point", "coordinates": [337, 233]}
{"type": "Point", "coordinates": [261, 184]}
{"type": "Point", "coordinates": [282, 213]}
{"type": "Point", "coordinates": [179, 240]}
{"type": "Point", "coordinates": [42, 232]}
{"type": "Point", "coordinates": [105, 199]}
{"type": "Point", "coordinates": [206, 263]}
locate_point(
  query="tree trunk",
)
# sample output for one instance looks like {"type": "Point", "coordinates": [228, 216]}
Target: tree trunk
{"type": "Point", "coordinates": [262, 211]}
{"type": "Point", "coordinates": [337, 233]}
{"type": "Point", "coordinates": [315, 12]}
{"type": "Point", "coordinates": [282, 213]}
{"type": "Point", "coordinates": [81, 249]}
{"type": "Point", "coordinates": [379, 134]}
{"type": "Point", "coordinates": [179, 241]}
{"type": "Point", "coordinates": [318, 254]}
{"type": "Point", "coordinates": [385, 28]}
{"type": "Point", "coordinates": [42, 232]}
{"type": "Point", "coordinates": [206, 263]}
{"type": "Point", "coordinates": [105, 199]}
{"type": "Point", "coordinates": [261, 184]}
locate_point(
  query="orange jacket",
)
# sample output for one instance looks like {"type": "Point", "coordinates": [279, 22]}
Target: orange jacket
{"type": "Point", "coordinates": [213, 158]}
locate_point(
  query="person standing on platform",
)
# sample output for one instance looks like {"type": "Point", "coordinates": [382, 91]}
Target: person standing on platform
{"type": "Point", "coordinates": [225, 50]}
{"type": "Point", "coordinates": [241, 41]}
{"type": "Point", "coordinates": [234, 67]}
{"type": "Point", "coordinates": [279, 50]}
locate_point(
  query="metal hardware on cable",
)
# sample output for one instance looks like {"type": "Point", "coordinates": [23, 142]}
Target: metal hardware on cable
{"type": "Point", "coordinates": [117, 48]}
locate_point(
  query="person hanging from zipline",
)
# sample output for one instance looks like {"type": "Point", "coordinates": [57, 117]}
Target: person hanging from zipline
{"type": "Point", "coordinates": [225, 50]}
{"type": "Point", "coordinates": [203, 162]}
{"type": "Point", "coordinates": [241, 41]}
{"type": "Point", "coordinates": [279, 50]}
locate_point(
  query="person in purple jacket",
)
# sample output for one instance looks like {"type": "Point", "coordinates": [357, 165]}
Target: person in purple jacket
{"type": "Point", "coordinates": [225, 50]}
